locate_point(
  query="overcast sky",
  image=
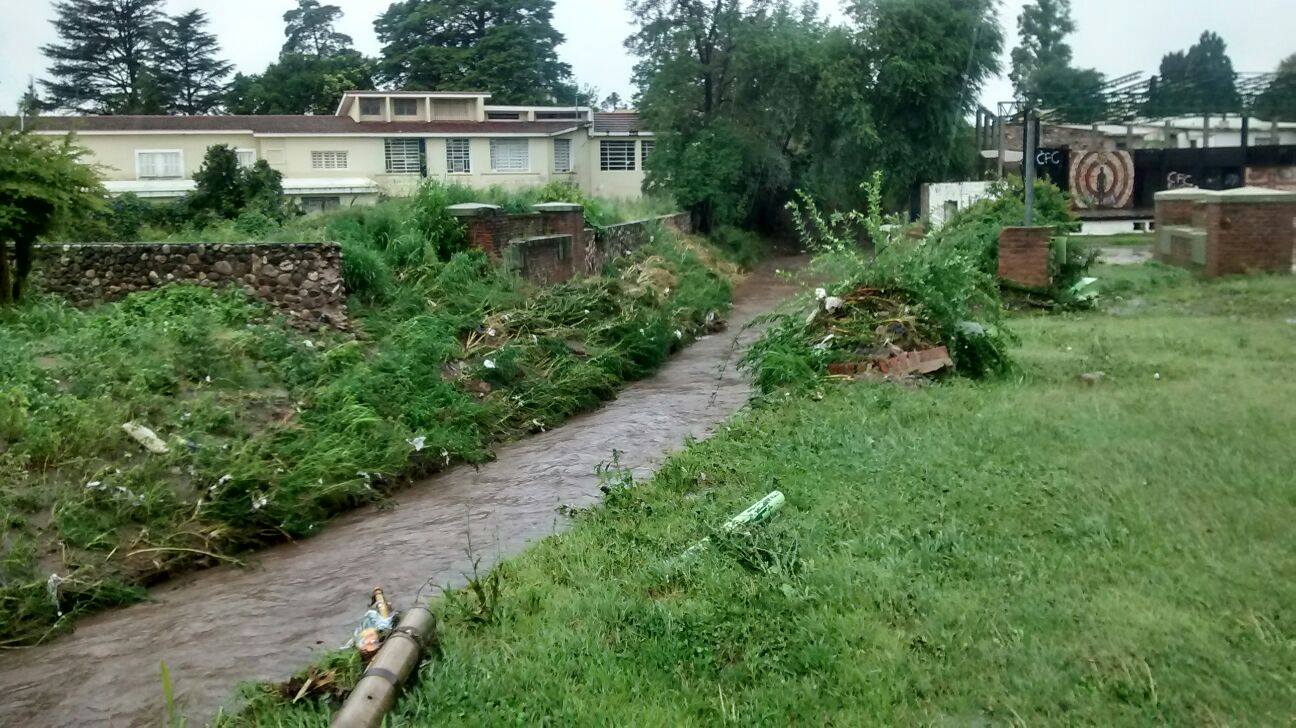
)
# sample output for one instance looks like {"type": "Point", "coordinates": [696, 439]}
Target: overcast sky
{"type": "Point", "coordinates": [1114, 36]}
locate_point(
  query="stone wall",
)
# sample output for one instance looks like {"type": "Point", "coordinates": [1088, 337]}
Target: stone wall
{"type": "Point", "coordinates": [303, 280]}
{"type": "Point", "coordinates": [614, 241]}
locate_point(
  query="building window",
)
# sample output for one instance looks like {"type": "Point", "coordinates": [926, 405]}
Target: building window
{"type": "Point", "coordinates": [404, 156]}
{"type": "Point", "coordinates": [458, 156]}
{"type": "Point", "coordinates": [559, 115]}
{"type": "Point", "coordinates": [320, 204]}
{"type": "Point", "coordinates": [405, 107]}
{"type": "Point", "coordinates": [246, 157]}
{"type": "Point", "coordinates": [371, 107]}
{"type": "Point", "coordinates": [562, 155]}
{"type": "Point", "coordinates": [617, 156]}
{"type": "Point", "coordinates": [328, 160]}
{"type": "Point", "coordinates": [646, 147]}
{"type": "Point", "coordinates": [159, 164]}
{"type": "Point", "coordinates": [510, 155]}
{"type": "Point", "coordinates": [504, 115]}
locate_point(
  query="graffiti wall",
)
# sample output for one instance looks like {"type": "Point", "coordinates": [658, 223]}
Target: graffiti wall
{"type": "Point", "coordinates": [1102, 180]}
{"type": "Point", "coordinates": [1276, 178]}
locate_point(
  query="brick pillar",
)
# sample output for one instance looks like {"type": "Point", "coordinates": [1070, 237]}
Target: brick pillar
{"type": "Point", "coordinates": [1024, 256]}
{"type": "Point", "coordinates": [1250, 230]}
{"type": "Point", "coordinates": [485, 226]}
{"type": "Point", "coordinates": [565, 218]}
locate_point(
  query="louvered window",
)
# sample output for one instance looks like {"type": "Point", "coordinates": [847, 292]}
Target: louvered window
{"type": "Point", "coordinates": [617, 156]}
{"type": "Point", "coordinates": [159, 164]}
{"type": "Point", "coordinates": [328, 160]}
{"type": "Point", "coordinates": [562, 155]}
{"type": "Point", "coordinates": [510, 155]}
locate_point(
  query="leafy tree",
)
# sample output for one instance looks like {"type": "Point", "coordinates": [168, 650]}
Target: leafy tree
{"type": "Point", "coordinates": [31, 104]}
{"type": "Point", "coordinates": [311, 32]}
{"type": "Point", "coordinates": [929, 58]}
{"type": "Point", "coordinates": [188, 71]}
{"type": "Point", "coordinates": [1201, 80]}
{"type": "Point", "coordinates": [102, 64]}
{"type": "Point", "coordinates": [226, 189]}
{"type": "Point", "coordinates": [43, 185]}
{"type": "Point", "coordinates": [613, 102]}
{"type": "Point", "coordinates": [1043, 27]}
{"type": "Point", "coordinates": [506, 47]}
{"type": "Point", "coordinates": [298, 84]}
{"type": "Point", "coordinates": [315, 67]}
{"type": "Point", "coordinates": [1278, 101]}
{"type": "Point", "coordinates": [1042, 73]}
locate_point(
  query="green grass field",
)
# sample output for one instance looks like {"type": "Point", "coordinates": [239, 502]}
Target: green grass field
{"type": "Point", "coordinates": [1028, 550]}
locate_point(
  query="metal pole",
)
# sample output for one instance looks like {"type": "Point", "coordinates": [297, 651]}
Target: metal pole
{"type": "Point", "coordinates": [1003, 143]}
{"type": "Point", "coordinates": [1028, 167]}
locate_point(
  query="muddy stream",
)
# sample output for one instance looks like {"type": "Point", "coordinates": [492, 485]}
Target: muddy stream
{"type": "Point", "coordinates": [216, 628]}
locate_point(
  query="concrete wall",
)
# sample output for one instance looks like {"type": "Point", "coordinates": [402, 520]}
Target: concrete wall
{"type": "Point", "coordinates": [116, 153]}
{"type": "Point", "coordinates": [304, 281]}
{"type": "Point", "coordinates": [625, 185]}
{"type": "Point", "coordinates": [940, 199]}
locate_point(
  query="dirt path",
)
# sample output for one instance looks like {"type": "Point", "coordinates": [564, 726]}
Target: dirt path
{"type": "Point", "coordinates": [222, 626]}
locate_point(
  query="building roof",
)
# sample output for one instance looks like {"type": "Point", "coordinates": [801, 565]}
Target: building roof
{"type": "Point", "coordinates": [618, 122]}
{"type": "Point", "coordinates": [270, 124]}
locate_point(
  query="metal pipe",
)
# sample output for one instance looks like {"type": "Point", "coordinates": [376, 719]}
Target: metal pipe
{"type": "Point", "coordinates": [376, 692]}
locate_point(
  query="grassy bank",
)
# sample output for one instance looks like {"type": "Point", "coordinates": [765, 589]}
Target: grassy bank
{"type": "Point", "coordinates": [1029, 549]}
{"type": "Point", "coordinates": [270, 431]}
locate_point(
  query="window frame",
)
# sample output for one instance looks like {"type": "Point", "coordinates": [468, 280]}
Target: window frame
{"type": "Point", "coordinates": [379, 102]}
{"type": "Point", "coordinates": [242, 151]}
{"type": "Point", "coordinates": [451, 145]}
{"type": "Point", "coordinates": [419, 168]}
{"type": "Point", "coordinates": [502, 143]}
{"type": "Point", "coordinates": [396, 104]}
{"type": "Point", "coordinates": [646, 147]}
{"type": "Point", "coordinates": [342, 154]}
{"type": "Point", "coordinates": [179, 155]}
{"type": "Point", "coordinates": [627, 158]}
{"type": "Point", "coordinates": [567, 157]}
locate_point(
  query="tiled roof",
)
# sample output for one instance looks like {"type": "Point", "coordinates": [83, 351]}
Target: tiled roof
{"type": "Point", "coordinates": [618, 122]}
{"type": "Point", "coordinates": [290, 125]}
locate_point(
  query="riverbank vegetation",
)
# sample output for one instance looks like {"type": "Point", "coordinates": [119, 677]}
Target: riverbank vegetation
{"type": "Point", "coordinates": [1031, 548]}
{"type": "Point", "coordinates": [270, 431]}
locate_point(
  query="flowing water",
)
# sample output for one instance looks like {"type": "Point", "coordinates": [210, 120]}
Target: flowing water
{"type": "Point", "coordinates": [218, 627]}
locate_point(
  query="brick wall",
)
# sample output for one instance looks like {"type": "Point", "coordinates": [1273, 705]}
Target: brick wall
{"type": "Point", "coordinates": [1024, 256]}
{"type": "Point", "coordinates": [1250, 238]}
{"type": "Point", "coordinates": [304, 281]}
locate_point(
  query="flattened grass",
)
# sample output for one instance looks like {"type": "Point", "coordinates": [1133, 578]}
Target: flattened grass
{"type": "Point", "coordinates": [1030, 550]}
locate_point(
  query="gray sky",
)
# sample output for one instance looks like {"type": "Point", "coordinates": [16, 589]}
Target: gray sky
{"type": "Point", "coordinates": [1114, 36]}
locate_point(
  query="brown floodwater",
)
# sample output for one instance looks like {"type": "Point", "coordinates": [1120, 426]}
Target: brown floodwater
{"type": "Point", "coordinates": [222, 626]}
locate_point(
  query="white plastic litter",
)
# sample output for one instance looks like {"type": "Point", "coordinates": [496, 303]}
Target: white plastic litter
{"type": "Point", "coordinates": [146, 438]}
{"type": "Point", "coordinates": [418, 443]}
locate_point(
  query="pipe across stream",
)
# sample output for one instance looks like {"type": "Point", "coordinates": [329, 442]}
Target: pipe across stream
{"type": "Point", "coordinates": [222, 626]}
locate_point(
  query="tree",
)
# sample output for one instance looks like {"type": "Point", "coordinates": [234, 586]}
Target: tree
{"type": "Point", "coordinates": [30, 105]}
{"type": "Point", "coordinates": [929, 59]}
{"type": "Point", "coordinates": [1200, 81]}
{"type": "Point", "coordinates": [299, 84]}
{"type": "Point", "coordinates": [189, 74]}
{"type": "Point", "coordinates": [1075, 95]}
{"type": "Point", "coordinates": [506, 47]}
{"type": "Point", "coordinates": [613, 102]}
{"type": "Point", "coordinates": [1278, 101]}
{"type": "Point", "coordinates": [43, 185]}
{"type": "Point", "coordinates": [226, 189]}
{"type": "Point", "coordinates": [101, 65]}
{"type": "Point", "coordinates": [310, 31]}
{"type": "Point", "coordinates": [1043, 27]}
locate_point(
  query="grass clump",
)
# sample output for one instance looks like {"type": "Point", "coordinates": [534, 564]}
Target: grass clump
{"type": "Point", "coordinates": [1025, 550]}
{"type": "Point", "coordinates": [271, 431]}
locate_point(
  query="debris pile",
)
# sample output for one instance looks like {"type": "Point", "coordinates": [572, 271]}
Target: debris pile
{"type": "Point", "coordinates": [876, 333]}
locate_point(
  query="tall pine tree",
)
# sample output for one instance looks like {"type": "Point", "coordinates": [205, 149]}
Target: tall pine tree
{"type": "Point", "coordinates": [1198, 81]}
{"type": "Point", "coordinates": [310, 31]}
{"type": "Point", "coordinates": [506, 47]}
{"type": "Point", "coordinates": [101, 64]}
{"type": "Point", "coordinates": [189, 74]}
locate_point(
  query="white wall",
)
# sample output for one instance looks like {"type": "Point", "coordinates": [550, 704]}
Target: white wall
{"type": "Point", "coordinates": [937, 196]}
